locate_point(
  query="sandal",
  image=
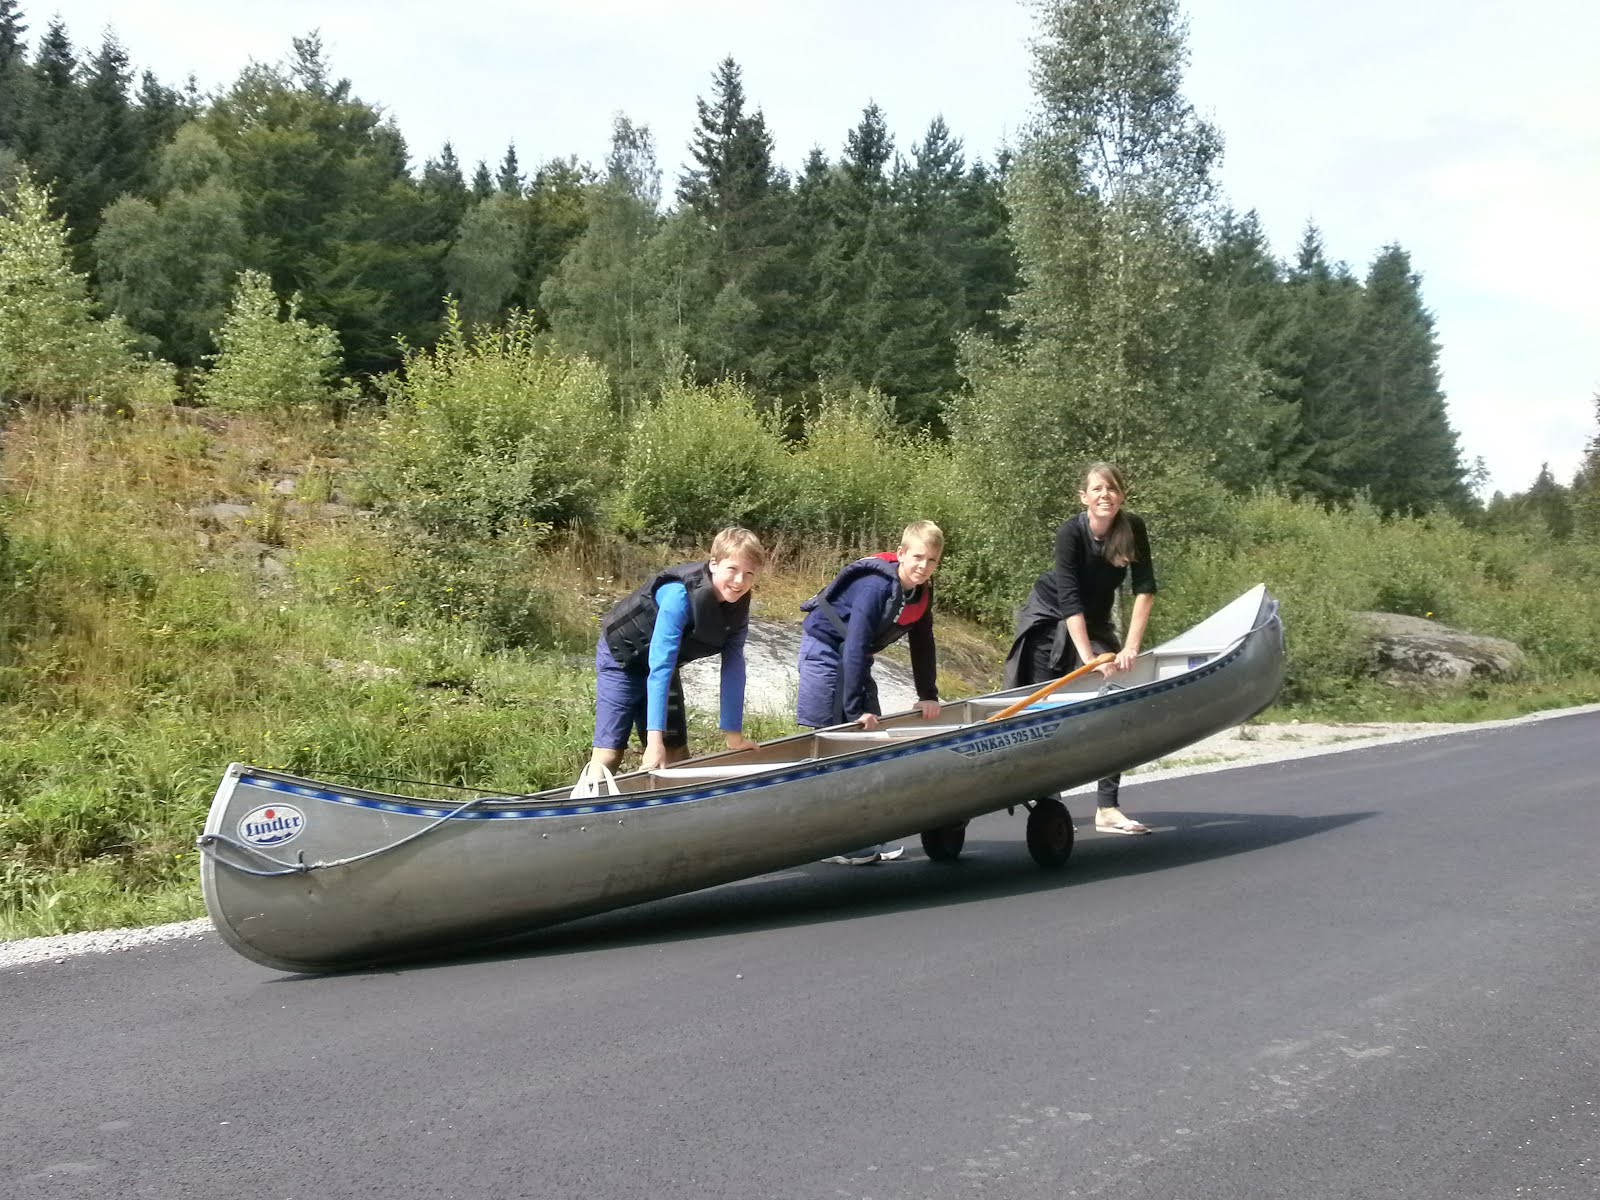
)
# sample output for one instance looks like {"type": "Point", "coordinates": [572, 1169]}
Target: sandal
{"type": "Point", "coordinates": [1113, 820]}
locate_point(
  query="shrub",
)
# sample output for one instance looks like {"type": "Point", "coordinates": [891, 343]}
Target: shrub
{"type": "Point", "coordinates": [268, 357]}
{"type": "Point", "coordinates": [850, 481]}
{"type": "Point", "coordinates": [700, 458]}
{"type": "Point", "coordinates": [54, 350]}
{"type": "Point", "coordinates": [984, 573]}
{"type": "Point", "coordinates": [493, 432]}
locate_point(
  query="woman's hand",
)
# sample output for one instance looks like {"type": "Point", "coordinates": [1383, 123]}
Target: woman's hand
{"type": "Point", "coordinates": [1087, 655]}
{"type": "Point", "coordinates": [929, 709]}
{"type": "Point", "coordinates": [867, 720]}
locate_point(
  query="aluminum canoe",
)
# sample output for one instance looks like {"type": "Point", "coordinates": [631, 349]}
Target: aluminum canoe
{"type": "Point", "coordinates": [304, 875]}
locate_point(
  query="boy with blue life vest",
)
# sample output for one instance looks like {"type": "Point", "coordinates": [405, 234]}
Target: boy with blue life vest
{"type": "Point", "coordinates": [691, 611]}
{"type": "Point", "coordinates": [869, 605]}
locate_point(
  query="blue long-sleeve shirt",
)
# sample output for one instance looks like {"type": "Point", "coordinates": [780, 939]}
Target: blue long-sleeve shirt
{"type": "Point", "coordinates": [672, 617]}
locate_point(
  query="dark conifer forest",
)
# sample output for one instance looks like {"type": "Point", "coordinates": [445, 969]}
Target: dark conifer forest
{"type": "Point", "coordinates": [912, 270]}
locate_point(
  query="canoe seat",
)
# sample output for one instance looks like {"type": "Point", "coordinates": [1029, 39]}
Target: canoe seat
{"type": "Point", "coordinates": [720, 770]}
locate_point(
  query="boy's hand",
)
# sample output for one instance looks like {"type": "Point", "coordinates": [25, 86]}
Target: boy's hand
{"type": "Point", "coordinates": [738, 741]}
{"type": "Point", "coordinates": [655, 751]}
{"type": "Point", "coordinates": [867, 720]}
{"type": "Point", "coordinates": [929, 709]}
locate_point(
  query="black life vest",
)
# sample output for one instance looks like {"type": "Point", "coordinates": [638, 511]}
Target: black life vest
{"type": "Point", "coordinates": [627, 628]}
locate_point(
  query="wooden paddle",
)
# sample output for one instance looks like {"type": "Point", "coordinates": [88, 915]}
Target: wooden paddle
{"type": "Point", "coordinates": [1019, 705]}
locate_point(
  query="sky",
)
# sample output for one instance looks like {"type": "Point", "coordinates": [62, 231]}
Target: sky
{"type": "Point", "coordinates": [1465, 131]}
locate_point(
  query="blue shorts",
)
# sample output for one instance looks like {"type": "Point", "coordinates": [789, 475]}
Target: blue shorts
{"type": "Point", "coordinates": [620, 705]}
{"type": "Point", "coordinates": [819, 701]}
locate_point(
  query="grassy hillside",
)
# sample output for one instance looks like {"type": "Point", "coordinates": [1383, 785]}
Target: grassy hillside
{"type": "Point", "coordinates": [179, 590]}
{"type": "Point", "coordinates": [182, 590]}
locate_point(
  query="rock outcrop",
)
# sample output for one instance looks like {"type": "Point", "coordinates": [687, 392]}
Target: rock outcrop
{"type": "Point", "coordinates": [1413, 651]}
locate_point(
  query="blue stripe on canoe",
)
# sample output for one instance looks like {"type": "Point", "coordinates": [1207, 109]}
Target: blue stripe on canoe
{"type": "Point", "coordinates": [1055, 716]}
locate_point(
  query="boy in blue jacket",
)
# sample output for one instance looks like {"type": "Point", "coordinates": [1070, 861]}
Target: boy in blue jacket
{"type": "Point", "coordinates": [691, 611]}
{"type": "Point", "coordinates": [870, 604]}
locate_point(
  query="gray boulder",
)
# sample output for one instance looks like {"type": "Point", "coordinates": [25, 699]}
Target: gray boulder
{"type": "Point", "coordinates": [1413, 651]}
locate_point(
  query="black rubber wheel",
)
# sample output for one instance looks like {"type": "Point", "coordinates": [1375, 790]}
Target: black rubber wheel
{"type": "Point", "coordinates": [944, 843]}
{"type": "Point", "coordinates": [1050, 833]}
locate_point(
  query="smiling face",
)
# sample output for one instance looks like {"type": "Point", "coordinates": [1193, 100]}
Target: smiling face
{"type": "Point", "coordinates": [733, 576]}
{"type": "Point", "coordinates": [1102, 498]}
{"type": "Point", "coordinates": [918, 562]}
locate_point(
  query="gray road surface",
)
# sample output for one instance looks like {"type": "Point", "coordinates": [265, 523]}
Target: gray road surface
{"type": "Point", "coordinates": [1366, 975]}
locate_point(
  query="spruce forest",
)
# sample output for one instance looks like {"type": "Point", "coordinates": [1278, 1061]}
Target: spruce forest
{"type": "Point", "coordinates": [323, 452]}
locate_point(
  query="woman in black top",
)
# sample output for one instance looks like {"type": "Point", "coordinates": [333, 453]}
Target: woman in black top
{"type": "Point", "coordinates": [1068, 617]}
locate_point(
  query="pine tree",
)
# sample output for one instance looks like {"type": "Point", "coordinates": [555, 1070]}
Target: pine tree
{"type": "Point", "coordinates": [482, 182]}
{"type": "Point", "coordinates": [985, 251]}
{"type": "Point", "coordinates": [733, 176]}
{"type": "Point", "coordinates": [558, 214]}
{"type": "Point", "coordinates": [1550, 504]}
{"type": "Point", "coordinates": [1316, 367]}
{"type": "Point", "coordinates": [1412, 459]}
{"type": "Point", "coordinates": [509, 179]}
{"type": "Point", "coordinates": [603, 300]}
{"type": "Point", "coordinates": [876, 323]}
{"type": "Point", "coordinates": [108, 162]}
{"type": "Point", "coordinates": [811, 222]}
{"type": "Point", "coordinates": [15, 81]}
{"type": "Point", "coordinates": [445, 194]}
{"type": "Point", "coordinates": [731, 271]}
{"type": "Point", "coordinates": [158, 114]}
{"type": "Point", "coordinates": [957, 264]}
{"type": "Point", "coordinates": [1249, 292]}
{"type": "Point", "coordinates": [48, 140]}
{"type": "Point", "coordinates": [481, 266]}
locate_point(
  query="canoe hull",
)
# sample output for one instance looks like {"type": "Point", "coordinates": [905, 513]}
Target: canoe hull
{"type": "Point", "coordinates": [506, 867]}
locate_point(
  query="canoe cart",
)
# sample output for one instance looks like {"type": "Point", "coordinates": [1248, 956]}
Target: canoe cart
{"type": "Point", "coordinates": [303, 875]}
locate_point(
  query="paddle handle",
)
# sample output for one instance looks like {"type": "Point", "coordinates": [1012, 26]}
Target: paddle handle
{"type": "Point", "coordinates": [1018, 706]}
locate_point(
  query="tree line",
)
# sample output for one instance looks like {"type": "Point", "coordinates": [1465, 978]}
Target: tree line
{"type": "Point", "coordinates": [1087, 293]}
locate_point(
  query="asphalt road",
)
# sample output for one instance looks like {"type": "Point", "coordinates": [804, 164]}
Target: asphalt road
{"type": "Point", "coordinates": [1371, 974]}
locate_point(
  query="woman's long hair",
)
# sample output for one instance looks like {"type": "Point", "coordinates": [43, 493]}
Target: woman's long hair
{"type": "Point", "coordinates": [1119, 548]}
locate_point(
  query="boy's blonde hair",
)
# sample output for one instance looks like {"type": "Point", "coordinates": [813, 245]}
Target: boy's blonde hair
{"type": "Point", "coordinates": [926, 532]}
{"type": "Point", "coordinates": [738, 542]}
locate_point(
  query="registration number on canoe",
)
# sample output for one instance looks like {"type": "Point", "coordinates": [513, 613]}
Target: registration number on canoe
{"type": "Point", "coordinates": [1006, 739]}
